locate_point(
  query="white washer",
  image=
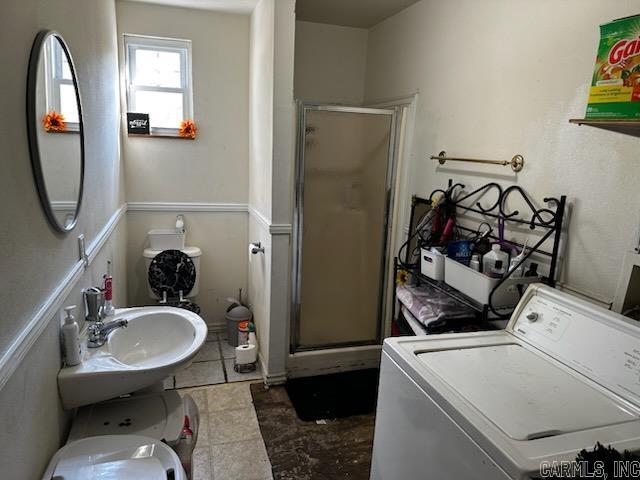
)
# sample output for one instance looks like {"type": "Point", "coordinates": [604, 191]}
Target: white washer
{"type": "Point", "coordinates": [562, 376]}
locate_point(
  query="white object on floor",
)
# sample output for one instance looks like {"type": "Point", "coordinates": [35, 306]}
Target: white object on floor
{"type": "Point", "coordinates": [158, 415]}
{"type": "Point", "coordinates": [564, 375]}
{"type": "Point", "coordinates": [246, 354]}
{"type": "Point", "coordinates": [115, 457]}
{"type": "Point", "coordinates": [157, 342]}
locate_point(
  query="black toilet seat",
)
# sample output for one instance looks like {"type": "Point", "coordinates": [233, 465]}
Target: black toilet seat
{"type": "Point", "coordinates": [172, 274]}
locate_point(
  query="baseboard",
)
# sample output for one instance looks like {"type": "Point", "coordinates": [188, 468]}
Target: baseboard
{"type": "Point", "coordinates": [269, 378]}
{"type": "Point", "coordinates": [217, 328]}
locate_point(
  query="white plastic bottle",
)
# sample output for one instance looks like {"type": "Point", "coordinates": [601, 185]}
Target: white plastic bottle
{"type": "Point", "coordinates": [71, 338]}
{"type": "Point", "coordinates": [489, 266]}
{"type": "Point", "coordinates": [474, 264]}
{"type": "Point", "coordinates": [252, 334]}
{"type": "Point", "coordinates": [518, 270]}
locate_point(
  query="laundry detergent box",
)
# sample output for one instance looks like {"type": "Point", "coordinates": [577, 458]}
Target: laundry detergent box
{"type": "Point", "coordinates": [615, 88]}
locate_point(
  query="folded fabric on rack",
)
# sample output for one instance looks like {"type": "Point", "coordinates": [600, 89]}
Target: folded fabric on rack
{"type": "Point", "coordinates": [429, 305]}
{"type": "Point", "coordinates": [415, 325]}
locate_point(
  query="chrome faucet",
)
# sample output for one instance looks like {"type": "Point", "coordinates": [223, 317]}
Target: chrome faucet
{"type": "Point", "coordinates": [99, 332]}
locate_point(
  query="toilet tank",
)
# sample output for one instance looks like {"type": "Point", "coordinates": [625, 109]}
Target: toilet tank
{"type": "Point", "coordinates": [194, 253]}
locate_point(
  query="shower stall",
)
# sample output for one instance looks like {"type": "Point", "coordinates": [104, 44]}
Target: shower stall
{"type": "Point", "coordinates": [344, 179]}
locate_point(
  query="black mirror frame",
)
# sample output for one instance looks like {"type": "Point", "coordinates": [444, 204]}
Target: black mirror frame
{"type": "Point", "coordinates": [32, 126]}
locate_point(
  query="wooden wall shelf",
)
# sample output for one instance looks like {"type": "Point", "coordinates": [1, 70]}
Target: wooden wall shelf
{"type": "Point", "coordinates": [628, 127]}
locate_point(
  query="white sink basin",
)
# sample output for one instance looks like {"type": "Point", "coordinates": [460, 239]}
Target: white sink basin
{"type": "Point", "coordinates": [157, 342]}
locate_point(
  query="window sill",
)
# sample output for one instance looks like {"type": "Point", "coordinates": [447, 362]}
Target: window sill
{"type": "Point", "coordinates": [61, 131]}
{"type": "Point", "coordinates": [159, 135]}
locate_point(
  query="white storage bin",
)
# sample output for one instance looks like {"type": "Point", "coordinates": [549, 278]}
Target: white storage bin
{"type": "Point", "coordinates": [158, 415]}
{"type": "Point", "coordinates": [478, 285]}
{"type": "Point", "coordinates": [166, 239]}
{"type": "Point", "coordinates": [432, 264]}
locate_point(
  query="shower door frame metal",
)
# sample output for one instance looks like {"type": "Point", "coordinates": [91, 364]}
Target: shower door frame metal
{"type": "Point", "coordinates": [298, 222]}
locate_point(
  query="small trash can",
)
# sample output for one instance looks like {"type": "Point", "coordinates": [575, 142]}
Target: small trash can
{"type": "Point", "coordinates": [234, 316]}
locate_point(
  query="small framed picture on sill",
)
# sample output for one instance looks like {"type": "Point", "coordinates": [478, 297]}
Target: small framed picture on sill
{"type": "Point", "coordinates": [138, 123]}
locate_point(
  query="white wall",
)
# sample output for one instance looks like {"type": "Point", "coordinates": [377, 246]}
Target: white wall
{"type": "Point", "coordinates": [34, 258]}
{"type": "Point", "coordinates": [213, 169]}
{"type": "Point", "coordinates": [502, 77]}
{"type": "Point", "coordinates": [261, 106]}
{"type": "Point", "coordinates": [282, 185]}
{"type": "Point", "coordinates": [330, 63]}
{"type": "Point", "coordinates": [260, 165]}
{"type": "Point", "coordinates": [271, 154]}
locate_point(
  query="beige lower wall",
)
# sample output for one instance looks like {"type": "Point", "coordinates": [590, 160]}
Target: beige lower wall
{"type": "Point", "coordinates": [222, 237]}
{"type": "Point", "coordinates": [34, 425]}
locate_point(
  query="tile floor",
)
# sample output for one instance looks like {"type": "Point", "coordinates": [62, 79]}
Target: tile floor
{"type": "Point", "coordinates": [229, 444]}
{"type": "Point", "coordinates": [213, 365]}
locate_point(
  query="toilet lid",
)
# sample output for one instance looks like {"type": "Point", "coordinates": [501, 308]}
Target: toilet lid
{"type": "Point", "coordinates": [172, 271]}
{"type": "Point", "coordinates": [115, 457]}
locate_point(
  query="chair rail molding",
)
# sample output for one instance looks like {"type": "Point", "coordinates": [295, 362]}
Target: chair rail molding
{"type": "Point", "coordinates": [18, 349]}
{"type": "Point", "coordinates": [273, 228]}
{"type": "Point", "coordinates": [187, 207]}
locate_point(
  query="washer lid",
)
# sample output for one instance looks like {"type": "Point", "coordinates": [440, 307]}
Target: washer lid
{"type": "Point", "coordinates": [115, 457]}
{"type": "Point", "coordinates": [524, 394]}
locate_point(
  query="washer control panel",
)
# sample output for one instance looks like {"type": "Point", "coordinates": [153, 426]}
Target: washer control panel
{"type": "Point", "coordinates": [598, 343]}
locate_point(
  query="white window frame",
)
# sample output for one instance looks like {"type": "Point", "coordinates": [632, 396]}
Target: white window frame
{"type": "Point", "coordinates": [54, 79]}
{"type": "Point", "coordinates": [134, 42]}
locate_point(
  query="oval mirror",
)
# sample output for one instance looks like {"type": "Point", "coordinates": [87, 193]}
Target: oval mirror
{"type": "Point", "coordinates": [54, 126]}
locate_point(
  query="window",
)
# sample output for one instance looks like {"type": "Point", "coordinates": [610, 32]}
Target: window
{"type": "Point", "coordinates": [60, 91]}
{"type": "Point", "coordinates": [159, 81]}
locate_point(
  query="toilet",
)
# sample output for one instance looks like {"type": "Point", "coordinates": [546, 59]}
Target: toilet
{"type": "Point", "coordinates": [115, 457]}
{"type": "Point", "coordinates": [173, 276]}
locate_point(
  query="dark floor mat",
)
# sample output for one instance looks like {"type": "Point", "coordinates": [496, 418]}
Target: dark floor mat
{"type": "Point", "coordinates": [328, 450]}
{"type": "Point", "coordinates": [334, 396]}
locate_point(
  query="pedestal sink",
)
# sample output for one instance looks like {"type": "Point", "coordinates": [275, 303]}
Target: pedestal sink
{"type": "Point", "coordinates": [157, 342]}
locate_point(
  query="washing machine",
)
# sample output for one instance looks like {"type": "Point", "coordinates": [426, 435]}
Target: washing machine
{"type": "Point", "coordinates": [563, 375]}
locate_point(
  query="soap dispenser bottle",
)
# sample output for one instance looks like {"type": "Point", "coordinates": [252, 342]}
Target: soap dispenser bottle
{"type": "Point", "coordinates": [71, 338]}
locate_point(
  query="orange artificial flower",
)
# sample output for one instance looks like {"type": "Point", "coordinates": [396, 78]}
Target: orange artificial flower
{"type": "Point", "coordinates": [54, 122]}
{"type": "Point", "coordinates": [188, 129]}
{"type": "Point", "coordinates": [402, 277]}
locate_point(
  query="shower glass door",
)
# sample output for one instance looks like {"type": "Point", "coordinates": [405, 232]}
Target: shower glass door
{"type": "Point", "coordinates": [343, 195]}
